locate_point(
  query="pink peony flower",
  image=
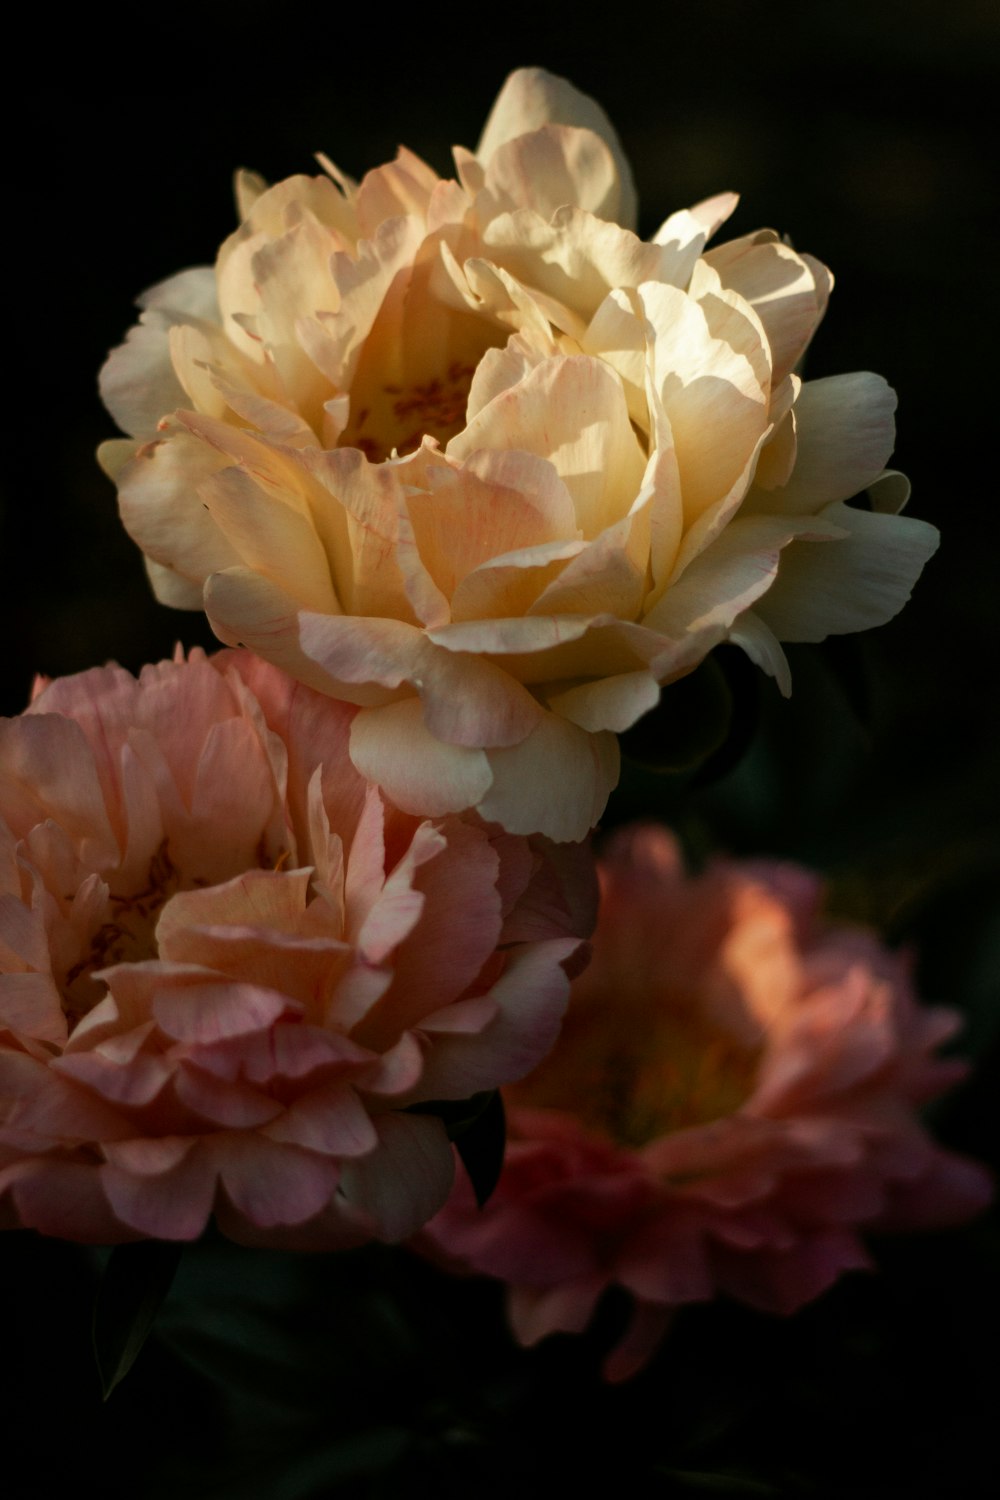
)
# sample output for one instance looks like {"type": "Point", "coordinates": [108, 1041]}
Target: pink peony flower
{"type": "Point", "coordinates": [731, 1099]}
{"type": "Point", "coordinates": [469, 453]}
{"type": "Point", "coordinates": [228, 965]}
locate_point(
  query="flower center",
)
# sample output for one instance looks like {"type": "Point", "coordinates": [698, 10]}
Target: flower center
{"type": "Point", "coordinates": [397, 417]}
{"type": "Point", "coordinates": [635, 1077]}
{"type": "Point", "coordinates": [128, 935]}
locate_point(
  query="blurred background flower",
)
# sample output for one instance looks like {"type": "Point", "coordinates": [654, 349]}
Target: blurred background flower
{"type": "Point", "coordinates": [731, 1099]}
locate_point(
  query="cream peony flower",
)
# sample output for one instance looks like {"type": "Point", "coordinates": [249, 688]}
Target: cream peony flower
{"type": "Point", "coordinates": [471, 455]}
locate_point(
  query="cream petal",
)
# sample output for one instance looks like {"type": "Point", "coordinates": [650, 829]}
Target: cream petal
{"type": "Point", "coordinates": [245, 609]}
{"type": "Point", "coordinates": [498, 371]}
{"type": "Point", "coordinates": [777, 459]}
{"type": "Point", "coordinates": [403, 186]}
{"type": "Point", "coordinates": [138, 384]}
{"type": "Point", "coordinates": [733, 320]}
{"type": "Point", "coordinates": [422, 774]}
{"type": "Point", "coordinates": [271, 537]}
{"type": "Point", "coordinates": [556, 782]}
{"type": "Point", "coordinates": [513, 636]}
{"type": "Point", "coordinates": [492, 292]}
{"type": "Point", "coordinates": [162, 511]}
{"type": "Point", "coordinates": [573, 257]}
{"type": "Point", "coordinates": [506, 586]}
{"type": "Point", "coordinates": [763, 648]}
{"type": "Point", "coordinates": [850, 584]}
{"type": "Point", "coordinates": [610, 575]}
{"type": "Point", "coordinates": [730, 575]}
{"type": "Point", "coordinates": [713, 399]}
{"type": "Point", "coordinates": [572, 411]}
{"type": "Point", "coordinates": [613, 703]}
{"type": "Point", "coordinates": [682, 238]}
{"type": "Point", "coordinates": [333, 340]}
{"type": "Point", "coordinates": [364, 661]}
{"type": "Point", "coordinates": [292, 279]}
{"type": "Point", "coordinates": [114, 453]}
{"type": "Point", "coordinates": [370, 496]}
{"type": "Point", "coordinates": [530, 99]}
{"type": "Point", "coordinates": [549, 168]}
{"type": "Point", "coordinates": [713, 212]}
{"type": "Point", "coordinates": [494, 504]}
{"type": "Point", "coordinates": [616, 334]}
{"type": "Point", "coordinates": [781, 288]}
{"type": "Point", "coordinates": [845, 433]}
{"type": "Point", "coordinates": [889, 493]}
{"type": "Point", "coordinates": [171, 588]}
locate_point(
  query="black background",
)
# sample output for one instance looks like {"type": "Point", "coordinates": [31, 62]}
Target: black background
{"type": "Point", "coordinates": [867, 133]}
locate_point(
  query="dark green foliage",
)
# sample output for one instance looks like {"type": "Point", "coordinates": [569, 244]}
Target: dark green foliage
{"type": "Point", "coordinates": [136, 1279]}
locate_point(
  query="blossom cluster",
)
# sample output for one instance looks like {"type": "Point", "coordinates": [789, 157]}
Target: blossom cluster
{"type": "Point", "coordinates": [469, 473]}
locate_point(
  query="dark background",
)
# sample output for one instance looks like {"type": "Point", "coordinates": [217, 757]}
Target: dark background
{"type": "Point", "coordinates": [867, 132]}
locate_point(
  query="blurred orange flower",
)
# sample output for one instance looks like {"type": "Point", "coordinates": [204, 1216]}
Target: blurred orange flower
{"type": "Point", "coordinates": [732, 1099]}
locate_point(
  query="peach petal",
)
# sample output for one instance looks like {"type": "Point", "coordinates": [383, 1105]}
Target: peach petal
{"type": "Point", "coordinates": [405, 1179]}
{"type": "Point", "coordinates": [457, 931]}
{"type": "Point", "coordinates": [23, 940]}
{"type": "Point", "coordinates": [230, 1104]}
{"type": "Point", "coordinates": [331, 1120]}
{"type": "Point", "coordinates": [530, 997]}
{"type": "Point", "coordinates": [31, 1004]}
{"type": "Point", "coordinates": [48, 771]}
{"type": "Point", "coordinates": [274, 1183]}
{"type": "Point", "coordinates": [132, 1086]}
{"type": "Point", "coordinates": [172, 1203]}
{"type": "Point", "coordinates": [534, 1314]}
{"type": "Point", "coordinates": [210, 1012]}
{"type": "Point", "coordinates": [67, 1199]}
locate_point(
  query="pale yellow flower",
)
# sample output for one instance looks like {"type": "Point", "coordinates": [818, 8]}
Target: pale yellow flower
{"type": "Point", "coordinates": [472, 455]}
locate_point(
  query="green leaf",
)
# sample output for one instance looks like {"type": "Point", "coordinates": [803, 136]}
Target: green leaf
{"type": "Point", "coordinates": [135, 1281]}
